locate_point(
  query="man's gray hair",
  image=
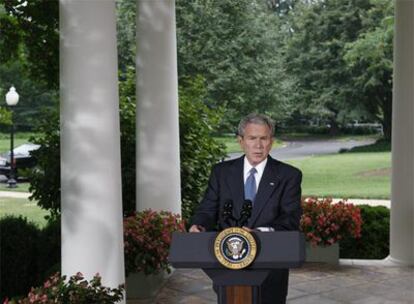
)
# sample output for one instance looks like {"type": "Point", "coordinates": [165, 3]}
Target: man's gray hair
{"type": "Point", "coordinates": [254, 118]}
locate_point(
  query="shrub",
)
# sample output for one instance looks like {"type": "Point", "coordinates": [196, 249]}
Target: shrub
{"type": "Point", "coordinates": [49, 245]}
{"type": "Point", "coordinates": [147, 239]}
{"type": "Point", "coordinates": [324, 223]}
{"type": "Point", "coordinates": [28, 254]}
{"type": "Point", "coordinates": [375, 234]}
{"type": "Point", "coordinates": [18, 254]}
{"type": "Point", "coordinates": [76, 290]}
{"type": "Point", "coordinates": [127, 110]}
{"type": "Point", "coordinates": [198, 150]}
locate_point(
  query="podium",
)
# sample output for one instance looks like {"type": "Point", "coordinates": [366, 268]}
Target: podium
{"type": "Point", "coordinates": [275, 250]}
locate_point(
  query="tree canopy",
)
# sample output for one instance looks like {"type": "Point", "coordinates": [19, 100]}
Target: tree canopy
{"type": "Point", "coordinates": [327, 61]}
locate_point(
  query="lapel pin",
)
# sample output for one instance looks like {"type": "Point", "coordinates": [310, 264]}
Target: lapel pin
{"type": "Point", "coordinates": [272, 184]}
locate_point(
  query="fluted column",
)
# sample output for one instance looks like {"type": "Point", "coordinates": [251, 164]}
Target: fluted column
{"type": "Point", "coordinates": [92, 238]}
{"type": "Point", "coordinates": [158, 157]}
{"type": "Point", "coordinates": [402, 190]}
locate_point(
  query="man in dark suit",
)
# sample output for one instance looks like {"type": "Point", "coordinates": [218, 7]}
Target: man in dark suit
{"type": "Point", "coordinates": [272, 186]}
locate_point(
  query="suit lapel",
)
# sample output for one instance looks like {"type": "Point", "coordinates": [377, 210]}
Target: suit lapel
{"type": "Point", "coordinates": [268, 184]}
{"type": "Point", "coordinates": [236, 185]}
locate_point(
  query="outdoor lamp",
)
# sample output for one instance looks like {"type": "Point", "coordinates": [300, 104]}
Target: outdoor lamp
{"type": "Point", "coordinates": [12, 98]}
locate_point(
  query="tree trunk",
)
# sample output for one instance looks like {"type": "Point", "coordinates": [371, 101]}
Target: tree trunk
{"type": "Point", "coordinates": [334, 128]}
{"type": "Point", "coordinates": [386, 107]}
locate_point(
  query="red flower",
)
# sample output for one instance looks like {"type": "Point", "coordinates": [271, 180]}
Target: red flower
{"type": "Point", "coordinates": [324, 223]}
{"type": "Point", "coordinates": [147, 239]}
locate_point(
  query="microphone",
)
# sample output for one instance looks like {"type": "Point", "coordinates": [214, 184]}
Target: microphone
{"type": "Point", "coordinates": [228, 212]}
{"type": "Point", "coordinates": [246, 212]}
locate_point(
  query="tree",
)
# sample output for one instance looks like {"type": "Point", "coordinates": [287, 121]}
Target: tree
{"type": "Point", "coordinates": [370, 60]}
{"type": "Point", "coordinates": [29, 56]}
{"type": "Point", "coordinates": [30, 34]}
{"type": "Point", "coordinates": [34, 95]}
{"type": "Point", "coordinates": [235, 46]}
{"type": "Point", "coordinates": [126, 34]}
{"type": "Point", "coordinates": [315, 57]}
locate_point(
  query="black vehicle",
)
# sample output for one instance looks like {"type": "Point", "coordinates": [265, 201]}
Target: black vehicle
{"type": "Point", "coordinates": [22, 159]}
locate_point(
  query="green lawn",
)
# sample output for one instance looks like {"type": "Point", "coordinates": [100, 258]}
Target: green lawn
{"type": "Point", "coordinates": [5, 144]}
{"type": "Point", "coordinates": [348, 175]}
{"type": "Point", "coordinates": [21, 187]}
{"type": "Point", "coordinates": [19, 139]}
{"type": "Point", "coordinates": [232, 145]}
{"type": "Point", "coordinates": [24, 207]}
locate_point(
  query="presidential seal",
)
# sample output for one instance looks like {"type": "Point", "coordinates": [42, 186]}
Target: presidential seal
{"type": "Point", "coordinates": [235, 248]}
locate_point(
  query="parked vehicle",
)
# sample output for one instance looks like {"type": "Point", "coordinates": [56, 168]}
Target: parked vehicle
{"type": "Point", "coordinates": [22, 159]}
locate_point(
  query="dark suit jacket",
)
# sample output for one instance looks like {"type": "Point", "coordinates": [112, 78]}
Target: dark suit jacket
{"type": "Point", "coordinates": [277, 202]}
{"type": "Point", "coordinates": [277, 205]}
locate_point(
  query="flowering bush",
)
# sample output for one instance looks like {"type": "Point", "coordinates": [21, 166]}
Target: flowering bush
{"type": "Point", "coordinates": [147, 239]}
{"type": "Point", "coordinates": [77, 290]}
{"type": "Point", "coordinates": [325, 223]}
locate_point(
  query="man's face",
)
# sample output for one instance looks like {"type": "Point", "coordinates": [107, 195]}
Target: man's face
{"type": "Point", "coordinates": [256, 142]}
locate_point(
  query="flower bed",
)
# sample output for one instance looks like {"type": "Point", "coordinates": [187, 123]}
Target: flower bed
{"type": "Point", "coordinates": [324, 223]}
{"type": "Point", "coordinates": [147, 239]}
{"type": "Point", "coordinates": [75, 290]}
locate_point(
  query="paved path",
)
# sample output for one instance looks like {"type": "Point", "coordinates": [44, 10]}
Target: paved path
{"type": "Point", "coordinates": [350, 282]}
{"type": "Point", "coordinates": [14, 194]}
{"type": "Point", "coordinates": [370, 202]}
{"type": "Point", "coordinates": [311, 147]}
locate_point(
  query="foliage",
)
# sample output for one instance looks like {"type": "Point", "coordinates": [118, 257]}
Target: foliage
{"type": "Point", "coordinates": [127, 109]}
{"type": "Point", "coordinates": [49, 249]}
{"type": "Point", "coordinates": [75, 290]}
{"type": "Point", "coordinates": [28, 254]}
{"type": "Point", "coordinates": [33, 97]}
{"type": "Point", "coordinates": [147, 239]}
{"type": "Point", "coordinates": [18, 254]}
{"type": "Point", "coordinates": [126, 33]}
{"type": "Point", "coordinates": [198, 150]}
{"type": "Point", "coordinates": [235, 46]}
{"type": "Point", "coordinates": [315, 59]}
{"type": "Point", "coordinates": [5, 116]}
{"type": "Point", "coordinates": [370, 60]}
{"type": "Point", "coordinates": [30, 34]}
{"type": "Point", "coordinates": [45, 177]}
{"type": "Point", "coordinates": [374, 242]}
{"type": "Point", "coordinates": [324, 223]}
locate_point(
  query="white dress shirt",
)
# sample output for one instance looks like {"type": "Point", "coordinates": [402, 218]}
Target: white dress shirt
{"type": "Point", "coordinates": [259, 168]}
{"type": "Point", "coordinates": [258, 176]}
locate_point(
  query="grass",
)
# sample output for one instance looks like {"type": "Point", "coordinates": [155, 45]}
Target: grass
{"type": "Point", "coordinates": [232, 145]}
{"type": "Point", "coordinates": [24, 207]}
{"type": "Point", "coordinates": [19, 139]}
{"type": "Point", "coordinates": [348, 175]}
{"type": "Point", "coordinates": [380, 145]}
{"type": "Point", "coordinates": [21, 187]}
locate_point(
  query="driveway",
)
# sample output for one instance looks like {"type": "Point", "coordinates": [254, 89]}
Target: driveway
{"type": "Point", "coordinates": [310, 147]}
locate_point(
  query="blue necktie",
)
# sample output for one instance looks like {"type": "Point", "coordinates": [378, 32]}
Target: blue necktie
{"type": "Point", "coordinates": [250, 186]}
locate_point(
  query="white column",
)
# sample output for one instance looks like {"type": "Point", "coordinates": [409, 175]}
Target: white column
{"type": "Point", "coordinates": [158, 157]}
{"type": "Point", "coordinates": [402, 190]}
{"type": "Point", "coordinates": [92, 238]}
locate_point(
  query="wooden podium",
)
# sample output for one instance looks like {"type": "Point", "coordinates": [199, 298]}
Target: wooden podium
{"type": "Point", "coordinates": [276, 250]}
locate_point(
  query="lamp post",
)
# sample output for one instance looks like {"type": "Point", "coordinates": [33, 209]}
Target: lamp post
{"type": "Point", "coordinates": [12, 98]}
